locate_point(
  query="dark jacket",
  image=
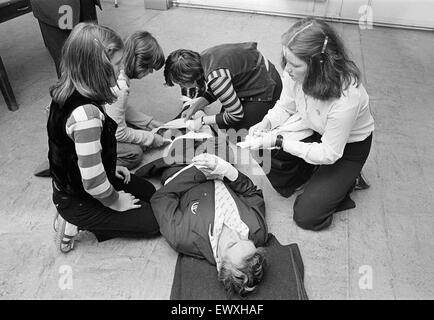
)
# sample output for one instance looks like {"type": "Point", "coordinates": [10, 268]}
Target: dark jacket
{"type": "Point", "coordinates": [61, 149]}
{"type": "Point", "coordinates": [184, 209]}
{"type": "Point", "coordinates": [47, 11]}
{"type": "Point", "coordinates": [246, 64]}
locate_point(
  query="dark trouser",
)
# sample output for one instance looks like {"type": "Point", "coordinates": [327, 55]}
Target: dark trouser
{"type": "Point", "coordinates": [327, 190]}
{"type": "Point", "coordinates": [89, 214]}
{"type": "Point", "coordinates": [289, 172]}
{"type": "Point", "coordinates": [54, 37]}
{"type": "Point", "coordinates": [255, 111]}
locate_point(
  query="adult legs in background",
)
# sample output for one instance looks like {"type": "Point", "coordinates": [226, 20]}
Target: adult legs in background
{"type": "Point", "coordinates": [89, 214]}
{"type": "Point", "coordinates": [54, 37]}
{"type": "Point", "coordinates": [88, 11]}
{"type": "Point", "coordinates": [329, 188]}
{"type": "Point", "coordinates": [129, 155]}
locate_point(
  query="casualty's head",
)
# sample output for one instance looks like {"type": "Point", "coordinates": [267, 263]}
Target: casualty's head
{"type": "Point", "coordinates": [91, 60]}
{"type": "Point", "coordinates": [184, 68]}
{"type": "Point", "coordinates": [242, 267]}
{"type": "Point", "coordinates": [142, 55]}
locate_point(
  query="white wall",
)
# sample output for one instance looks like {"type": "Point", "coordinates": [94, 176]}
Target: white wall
{"type": "Point", "coordinates": [412, 13]}
{"type": "Point", "coordinates": [406, 12]}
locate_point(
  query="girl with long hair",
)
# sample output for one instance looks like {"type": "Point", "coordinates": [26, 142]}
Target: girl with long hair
{"type": "Point", "coordinates": [90, 192]}
{"type": "Point", "coordinates": [323, 88]}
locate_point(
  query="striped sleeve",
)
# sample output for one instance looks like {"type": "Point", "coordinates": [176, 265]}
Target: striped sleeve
{"type": "Point", "coordinates": [221, 86]}
{"type": "Point", "coordinates": [84, 127]}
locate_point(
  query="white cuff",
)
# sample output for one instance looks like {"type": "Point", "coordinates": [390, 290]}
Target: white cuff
{"type": "Point", "coordinates": [232, 173]}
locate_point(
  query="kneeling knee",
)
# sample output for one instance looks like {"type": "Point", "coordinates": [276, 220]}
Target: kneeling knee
{"type": "Point", "coordinates": [305, 222]}
{"type": "Point", "coordinates": [309, 218]}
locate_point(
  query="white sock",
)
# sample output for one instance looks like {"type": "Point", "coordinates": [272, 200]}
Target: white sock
{"type": "Point", "coordinates": [70, 229]}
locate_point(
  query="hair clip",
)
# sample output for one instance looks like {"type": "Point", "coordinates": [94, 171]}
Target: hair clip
{"type": "Point", "coordinates": [324, 44]}
{"type": "Point", "coordinates": [99, 43]}
{"type": "Point", "coordinates": [326, 40]}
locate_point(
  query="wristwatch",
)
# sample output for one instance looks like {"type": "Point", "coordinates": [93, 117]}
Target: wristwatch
{"type": "Point", "coordinates": [279, 141]}
{"type": "Point", "coordinates": [201, 121]}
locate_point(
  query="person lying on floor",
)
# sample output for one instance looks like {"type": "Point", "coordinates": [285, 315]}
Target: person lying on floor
{"type": "Point", "coordinates": [210, 210]}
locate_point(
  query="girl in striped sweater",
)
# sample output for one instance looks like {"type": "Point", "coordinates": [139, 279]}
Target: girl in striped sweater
{"type": "Point", "coordinates": [89, 190]}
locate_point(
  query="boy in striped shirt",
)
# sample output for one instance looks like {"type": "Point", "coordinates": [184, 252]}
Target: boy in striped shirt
{"type": "Point", "coordinates": [246, 84]}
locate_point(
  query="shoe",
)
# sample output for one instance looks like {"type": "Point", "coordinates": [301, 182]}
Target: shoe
{"type": "Point", "coordinates": [65, 234]}
{"type": "Point", "coordinates": [361, 183]}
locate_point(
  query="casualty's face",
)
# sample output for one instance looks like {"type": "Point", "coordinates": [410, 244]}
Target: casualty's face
{"type": "Point", "coordinates": [238, 251]}
{"type": "Point", "coordinates": [295, 67]}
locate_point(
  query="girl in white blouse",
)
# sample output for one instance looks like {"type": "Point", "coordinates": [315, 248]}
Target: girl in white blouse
{"type": "Point", "coordinates": [323, 90]}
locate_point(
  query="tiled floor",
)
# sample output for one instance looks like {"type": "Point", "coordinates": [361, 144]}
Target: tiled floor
{"type": "Point", "coordinates": [390, 231]}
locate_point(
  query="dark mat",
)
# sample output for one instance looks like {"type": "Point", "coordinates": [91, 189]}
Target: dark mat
{"type": "Point", "coordinates": [283, 278]}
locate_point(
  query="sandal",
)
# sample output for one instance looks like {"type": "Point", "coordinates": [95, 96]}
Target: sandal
{"type": "Point", "coordinates": [65, 238]}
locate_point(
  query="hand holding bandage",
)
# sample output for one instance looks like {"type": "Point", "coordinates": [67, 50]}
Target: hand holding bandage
{"type": "Point", "coordinates": [263, 136]}
{"type": "Point", "coordinates": [194, 125]}
{"type": "Point", "coordinates": [259, 140]}
{"type": "Point", "coordinates": [197, 122]}
{"type": "Point", "coordinates": [159, 141]}
{"type": "Point", "coordinates": [215, 167]}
